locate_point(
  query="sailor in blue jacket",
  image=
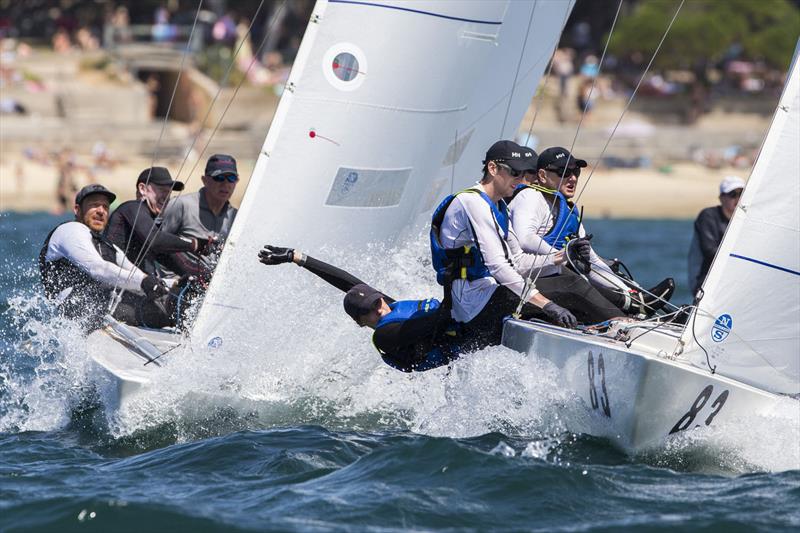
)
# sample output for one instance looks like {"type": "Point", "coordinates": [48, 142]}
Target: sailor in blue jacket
{"type": "Point", "coordinates": [411, 335]}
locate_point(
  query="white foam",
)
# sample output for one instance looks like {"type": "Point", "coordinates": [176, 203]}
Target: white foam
{"type": "Point", "coordinates": [312, 365]}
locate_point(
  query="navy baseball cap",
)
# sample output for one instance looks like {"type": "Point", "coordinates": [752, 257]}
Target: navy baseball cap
{"type": "Point", "coordinates": [360, 300]}
{"type": "Point", "coordinates": [159, 176]}
{"type": "Point", "coordinates": [557, 157]}
{"type": "Point", "coordinates": [219, 164]}
{"type": "Point", "coordinates": [94, 188]}
{"type": "Point", "coordinates": [518, 157]}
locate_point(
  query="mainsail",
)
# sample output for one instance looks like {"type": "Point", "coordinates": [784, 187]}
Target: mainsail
{"type": "Point", "coordinates": [749, 317]}
{"type": "Point", "coordinates": [389, 106]}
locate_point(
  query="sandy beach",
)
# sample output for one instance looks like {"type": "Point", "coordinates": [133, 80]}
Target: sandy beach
{"type": "Point", "coordinates": [681, 192]}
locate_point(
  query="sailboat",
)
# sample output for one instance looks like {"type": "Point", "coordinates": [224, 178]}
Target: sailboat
{"type": "Point", "coordinates": [389, 106]}
{"type": "Point", "coordinates": [738, 354]}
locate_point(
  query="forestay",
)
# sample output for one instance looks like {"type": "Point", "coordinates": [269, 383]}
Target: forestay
{"type": "Point", "coordinates": [749, 318]}
{"type": "Point", "coordinates": [383, 100]}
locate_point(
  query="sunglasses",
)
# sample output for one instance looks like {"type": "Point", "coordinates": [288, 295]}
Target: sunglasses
{"type": "Point", "coordinates": [514, 173]}
{"type": "Point", "coordinates": [232, 178]}
{"type": "Point", "coordinates": [734, 194]}
{"type": "Point", "coordinates": [574, 171]}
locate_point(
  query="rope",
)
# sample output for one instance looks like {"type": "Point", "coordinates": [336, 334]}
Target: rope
{"type": "Point", "coordinates": [115, 298]}
{"type": "Point", "coordinates": [613, 132]}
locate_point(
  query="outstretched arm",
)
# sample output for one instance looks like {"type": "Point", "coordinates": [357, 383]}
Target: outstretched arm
{"type": "Point", "coordinates": [341, 279]}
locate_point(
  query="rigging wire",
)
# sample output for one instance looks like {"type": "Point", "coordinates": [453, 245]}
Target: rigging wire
{"type": "Point", "coordinates": [115, 297]}
{"type": "Point", "coordinates": [227, 106]}
{"type": "Point", "coordinates": [541, 88]}
{"type": "Point", "coordinates": [519, 65]}
{"type": "Point", "coordinates": [525, 75]}
{"type": "Point", "coordinates": [531, 283]}
{"type": "Point", "coordinates": [149, 240]}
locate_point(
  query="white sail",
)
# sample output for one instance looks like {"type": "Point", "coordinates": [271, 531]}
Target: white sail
{"type": "Point", "coordinates": [383, 99]}
{"type": "Point", "coordinates": [749, 317]}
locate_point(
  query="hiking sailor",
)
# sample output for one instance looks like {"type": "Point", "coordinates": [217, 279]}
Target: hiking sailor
{"type": "Point", "coordinates": [479, 260]}
{"type": "Point", "coordinates": [207, 213]}
{"type": "Point", "coordinates": [546, 221]}
{"type": "Point", "coordinates": [411, 335]}
{"type": "Point", "coordinates": [134, 227]}
{"type": "Point", "coordinates": [80, 268]}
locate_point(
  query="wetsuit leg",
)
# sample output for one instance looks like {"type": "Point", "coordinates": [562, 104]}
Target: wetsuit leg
{"type": "Point", "coordinates": [136, 310]}
{"type": "Point", "coordinates": [572, 292]}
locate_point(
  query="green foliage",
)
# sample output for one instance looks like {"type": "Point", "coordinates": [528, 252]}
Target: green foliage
{"type": "Point", "coordinates": [705, 29]}
{"type": "Point", "coordinates": [214, 62]}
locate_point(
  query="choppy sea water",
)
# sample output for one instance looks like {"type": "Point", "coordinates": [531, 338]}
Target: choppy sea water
{"type": "Point", "coordinates": [322, 437]}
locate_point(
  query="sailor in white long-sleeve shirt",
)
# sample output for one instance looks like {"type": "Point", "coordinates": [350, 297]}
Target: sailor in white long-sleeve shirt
{"type": "Point", "coordinates": [490, 283]}
{"type": "Point", "coordinates": [80, 268]}
{"type": "Point", "coordinates": [545, 220]}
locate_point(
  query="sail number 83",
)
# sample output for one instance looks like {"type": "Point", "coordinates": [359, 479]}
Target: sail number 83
{"type": "Point", "coordinates": [598, 396]}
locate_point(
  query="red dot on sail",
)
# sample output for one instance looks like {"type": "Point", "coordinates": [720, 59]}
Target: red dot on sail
{"type": "Point", "coordinates": [312, 134]}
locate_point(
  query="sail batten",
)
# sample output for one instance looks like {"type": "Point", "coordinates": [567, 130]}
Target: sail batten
{"type": "Point", "coordinates": [748, 319]}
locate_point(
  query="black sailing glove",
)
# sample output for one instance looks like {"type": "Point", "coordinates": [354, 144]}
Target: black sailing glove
{"type": "Point", "coordinates": [153, 287]}
{"type": "Point", "coordinates": [275, 255]}
{"type": "Point", "coordinates": [579, 254]}
{"type": "Point", "coordinates": [559, 316]}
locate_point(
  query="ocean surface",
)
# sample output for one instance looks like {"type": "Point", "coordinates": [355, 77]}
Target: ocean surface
{"type": "Point", "coordinates": [330, 439]}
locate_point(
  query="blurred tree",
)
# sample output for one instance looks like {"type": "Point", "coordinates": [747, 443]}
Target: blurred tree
{"type": "Point", "coordinates": [705, 31]}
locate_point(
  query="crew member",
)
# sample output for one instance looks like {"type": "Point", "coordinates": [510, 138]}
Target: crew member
{"type": "Point", "coordinates": [206, 214]}
{"type": "Point", "coordinates": [546, 220]}
{"type": "Point", "coordinates": [411, 335]}
{"type": "Point", "coordinates": [709, 228]}
{"type": "Point", "coordinates": [479, 260]}
{"type": "Point", "coordinates": [134, 227]}
{"type": "Point", "coordinates": [80, 268]}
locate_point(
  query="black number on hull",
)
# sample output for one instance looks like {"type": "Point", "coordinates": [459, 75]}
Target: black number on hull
{"type": "Point", "coordinates": [592, 389]}
{"type": "Point", "coordinates": [718, 403]}
{"type": "Point", "coordinates": [601, 369]}
{"type": "Point", "coordinates": [702, 399]}
{"type": "Point", "coordinates": [595, 399]}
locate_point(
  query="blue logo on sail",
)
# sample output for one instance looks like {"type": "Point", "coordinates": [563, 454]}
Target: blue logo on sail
{"type": "Point", "coordinates": [722, 328]}
{"type": "Point", "coordinates": [215, 343]}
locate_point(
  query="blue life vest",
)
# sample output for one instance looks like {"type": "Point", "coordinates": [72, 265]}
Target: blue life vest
{"type": "Point", "coordinates": [567, 220]}
{"type": "Point", "coordinates": [465, 262]}
{"type": "Point", "coordinates": [413, 309]}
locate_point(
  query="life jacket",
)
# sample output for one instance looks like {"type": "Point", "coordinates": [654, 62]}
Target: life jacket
{"type": "Point", "coordinates": [88, 294]}
{"type": "Point", "coordinates": [465, 262]}
{"type": "Point", "coordinates": [566, 219]}
{"type": "Point", "coordinates": [408, 359]}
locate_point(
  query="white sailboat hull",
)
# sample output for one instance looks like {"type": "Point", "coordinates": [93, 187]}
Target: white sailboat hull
{"type": "Point", "coordinates": [124, 360]}
{"type": "Point", "coordinates": [636, 398]}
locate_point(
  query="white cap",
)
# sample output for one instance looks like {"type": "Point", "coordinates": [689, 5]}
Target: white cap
{"type": "Point", "coordinates": [730, 183]}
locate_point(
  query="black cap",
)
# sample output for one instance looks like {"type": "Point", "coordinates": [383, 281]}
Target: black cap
{"type": "Point", "coordinates": [557, 157]}
{"type": "Point", "coordinates": [517, 157]}
{"type": "Point", "coordinates": [532, 157]}
{"type": "Point", "coordinates": [94, 188]}
{"type": "Point", "coordinates": [360, 300]}
{"type": "Point", "coordinates": [159, 176]}
{"type": "Point", "coordinates": [221, 164]}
